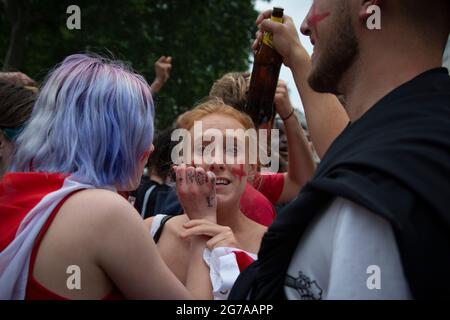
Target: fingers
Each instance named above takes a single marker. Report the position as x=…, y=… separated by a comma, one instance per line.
x=281, y=90
x=200, y=176
x=168, y=66
x=163, y=66
x=180, y=173
x=263, y=15
x=211, y=182
x=164, y=59
x=210, y=230
x=190, y=176
x=196, y=222
x=266, y=25
x=195, y=177
x=281, y=87
x=221, y=236
x=224, y=239
x=270, y=26
x=196, y=191
x=258, y=39
x=211, y=177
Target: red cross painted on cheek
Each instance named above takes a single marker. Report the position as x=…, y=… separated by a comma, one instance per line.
x=240, y=173
x=315, y=18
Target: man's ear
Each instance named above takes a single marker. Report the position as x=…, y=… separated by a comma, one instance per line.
x=366, y=8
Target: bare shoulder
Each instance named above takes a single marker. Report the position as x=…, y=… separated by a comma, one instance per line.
x=173, y=249
x=102, y=202
x=174, y=224
x=89, y=224
x=96, y=211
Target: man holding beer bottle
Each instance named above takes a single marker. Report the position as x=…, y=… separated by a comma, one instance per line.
x=374, y=221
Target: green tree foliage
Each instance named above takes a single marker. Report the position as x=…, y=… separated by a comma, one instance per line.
x=205, y=39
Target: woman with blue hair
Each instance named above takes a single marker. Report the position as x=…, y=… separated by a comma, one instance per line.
x=65, y=233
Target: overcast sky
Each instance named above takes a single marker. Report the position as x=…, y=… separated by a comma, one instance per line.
x=298, y=10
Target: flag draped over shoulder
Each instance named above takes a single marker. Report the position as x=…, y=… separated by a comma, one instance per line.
x=26, y=202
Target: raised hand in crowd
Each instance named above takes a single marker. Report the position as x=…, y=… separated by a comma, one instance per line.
x=299, y=150
x=196, y=190
x=163, y=67
x=282, y=102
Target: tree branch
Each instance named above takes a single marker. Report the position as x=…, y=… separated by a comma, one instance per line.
x=18, y=13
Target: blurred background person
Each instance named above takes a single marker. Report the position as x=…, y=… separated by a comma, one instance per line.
x=157, y=179
x=18, y=78
x=16, y=105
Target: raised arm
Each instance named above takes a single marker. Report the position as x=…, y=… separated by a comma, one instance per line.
x=196, y=190
x=325, y=115
x=301, y=165
x=163, y=67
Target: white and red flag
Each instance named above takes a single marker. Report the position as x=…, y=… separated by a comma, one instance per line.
x=26, y=202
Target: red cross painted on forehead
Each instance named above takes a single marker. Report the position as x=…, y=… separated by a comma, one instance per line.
x=315, y=18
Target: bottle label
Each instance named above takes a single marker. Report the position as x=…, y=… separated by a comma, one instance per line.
x=268, y=36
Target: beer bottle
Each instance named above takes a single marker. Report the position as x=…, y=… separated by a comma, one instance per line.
x=264, y=79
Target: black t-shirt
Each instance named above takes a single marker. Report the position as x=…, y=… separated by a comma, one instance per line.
x=147, y=194
x=394, y=161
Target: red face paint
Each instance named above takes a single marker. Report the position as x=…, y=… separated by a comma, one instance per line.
x=315, y=18
x=240, y=173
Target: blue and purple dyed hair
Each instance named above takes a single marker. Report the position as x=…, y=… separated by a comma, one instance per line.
x=93, y=118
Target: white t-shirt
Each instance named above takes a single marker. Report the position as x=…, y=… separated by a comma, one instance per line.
x=350, y=253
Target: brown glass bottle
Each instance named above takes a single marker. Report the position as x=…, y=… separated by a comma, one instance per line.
x=264, y=80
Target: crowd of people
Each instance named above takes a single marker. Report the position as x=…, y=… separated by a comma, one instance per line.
x=362, y=182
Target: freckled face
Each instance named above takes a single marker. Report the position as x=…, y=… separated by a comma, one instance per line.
x=231, y=177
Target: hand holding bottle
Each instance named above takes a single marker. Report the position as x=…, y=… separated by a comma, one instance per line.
x=285, y=37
